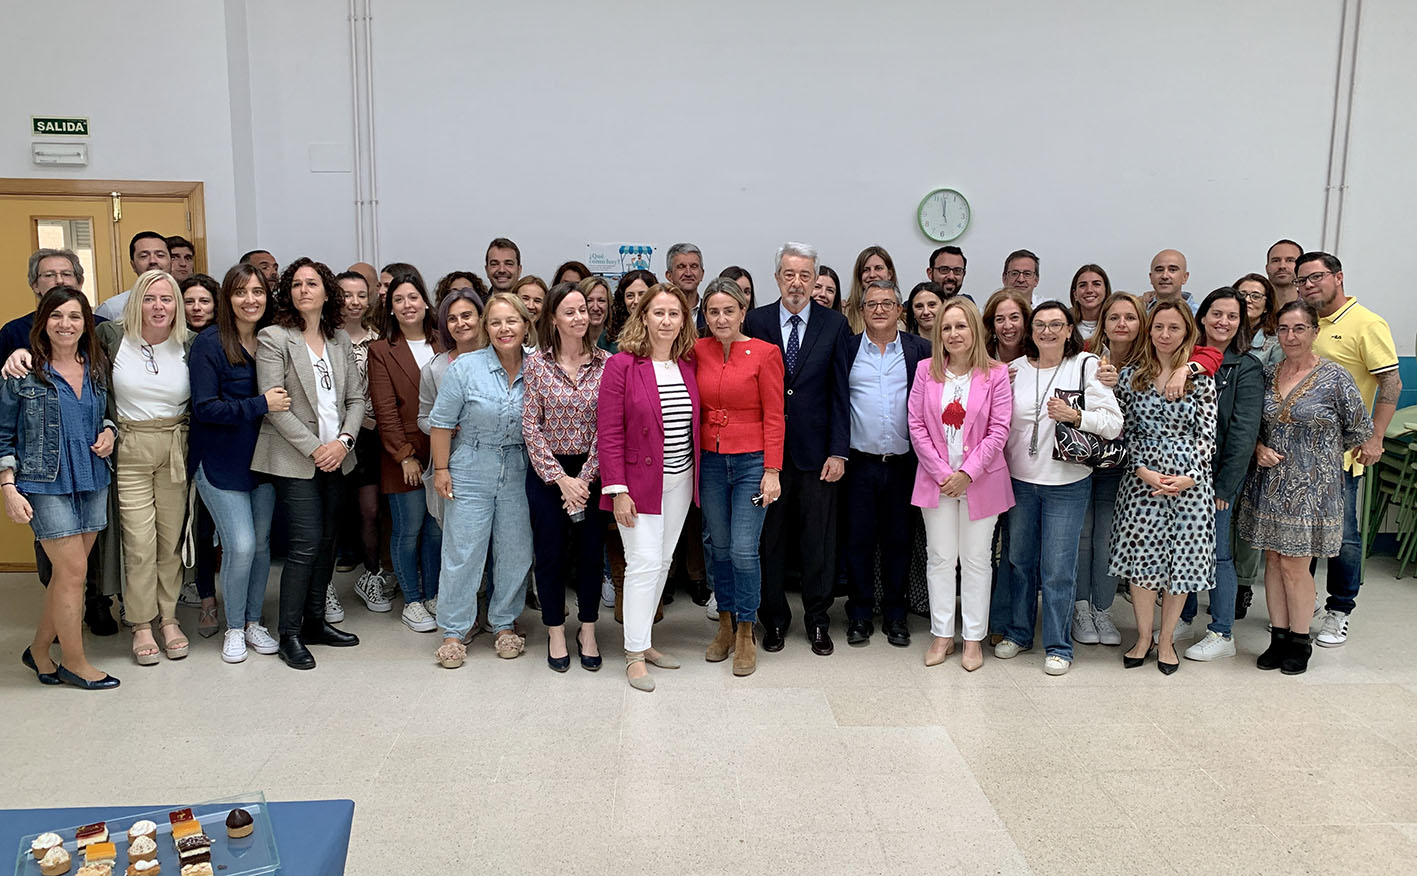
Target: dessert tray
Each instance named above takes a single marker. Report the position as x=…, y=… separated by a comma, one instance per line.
x=227, y=837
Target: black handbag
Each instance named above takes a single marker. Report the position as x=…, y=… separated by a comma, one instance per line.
x=1072, y=444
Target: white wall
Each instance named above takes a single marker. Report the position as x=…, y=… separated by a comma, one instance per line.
x=1087, y=131
x=157, y=108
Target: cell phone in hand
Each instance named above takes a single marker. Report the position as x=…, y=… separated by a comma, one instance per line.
x=757, y=499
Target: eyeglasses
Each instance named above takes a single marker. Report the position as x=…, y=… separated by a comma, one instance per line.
x=953, y=272
x=1018, y=275
x=1292, y=329
x=326, y=382
x=149, y=361
x=51, y=276
x=879, y=305
x=1253, y=296
x=805, y=276
x=1055, y=326
x=1311, y=278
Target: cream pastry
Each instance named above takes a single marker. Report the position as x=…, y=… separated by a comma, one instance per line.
x=103, y=869
x=202, y=869
x=142, y=828
x=54, y=862
x=144, y=868
x=44, y=842
x=91, y=833
x=144, y=848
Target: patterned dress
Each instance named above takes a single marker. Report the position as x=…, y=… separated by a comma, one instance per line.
x=1160, y=542
x=1296, y=507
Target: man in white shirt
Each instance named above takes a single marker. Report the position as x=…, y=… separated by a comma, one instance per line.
x=147, y=251
x=1021, y=272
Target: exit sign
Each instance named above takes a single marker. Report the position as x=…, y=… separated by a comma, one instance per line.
x=63, y=127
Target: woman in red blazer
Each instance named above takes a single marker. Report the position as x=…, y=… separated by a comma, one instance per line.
x=648, y=428
x=741, y=429
x=959, y=412
x=395, y=360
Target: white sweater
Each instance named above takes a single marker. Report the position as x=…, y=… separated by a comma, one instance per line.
x=1102, y=416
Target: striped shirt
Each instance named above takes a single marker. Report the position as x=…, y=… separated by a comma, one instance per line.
x=678, y=411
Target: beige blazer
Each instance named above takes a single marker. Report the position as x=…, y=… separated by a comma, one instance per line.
x=288, y=438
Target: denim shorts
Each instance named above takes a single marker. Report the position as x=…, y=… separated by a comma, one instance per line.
x=68, y=514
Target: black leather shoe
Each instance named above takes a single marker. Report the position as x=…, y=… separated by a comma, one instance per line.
x=44, y=677
x=560, y=664
x=590, y=664
x=858, y=632
x=821, y=642
x=897, y=633
x=98, y=616
x=294, y=654
x=774, y=637
x=108, y=682
x=325, y=633
x=699, y=592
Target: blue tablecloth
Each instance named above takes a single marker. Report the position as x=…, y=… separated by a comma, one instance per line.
x=312, y=835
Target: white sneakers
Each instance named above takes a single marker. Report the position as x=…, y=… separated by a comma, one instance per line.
x=370, y=588
x=1053, y=664
x=1007, y=648
x=189, y=596
x=416, y=618
x=261, y=640
x=334, y=610
x=1334, y=630
x=713, y=606
x=1211, y=646
x=430, y=605
x=1084, y=627
x=1107, y=632
x=233, y=647
x=1182, y=631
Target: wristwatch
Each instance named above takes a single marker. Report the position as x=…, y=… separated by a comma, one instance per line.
x=347, y=440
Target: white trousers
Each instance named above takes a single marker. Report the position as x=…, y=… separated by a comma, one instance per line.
x=649, y=550
x=951, y=536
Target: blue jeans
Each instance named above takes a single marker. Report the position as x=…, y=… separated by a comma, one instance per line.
x=1095, y=546
x=243, y=524
x=1044, y=526
x=488, y=509
x=1001, y=606
x=415, y=545
x=1227, y=583
x=733, y=527
x=1345, y=571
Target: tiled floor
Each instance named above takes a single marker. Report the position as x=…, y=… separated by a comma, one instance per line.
x=863, y=762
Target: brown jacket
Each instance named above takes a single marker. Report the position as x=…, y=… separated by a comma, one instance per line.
x=393, y=390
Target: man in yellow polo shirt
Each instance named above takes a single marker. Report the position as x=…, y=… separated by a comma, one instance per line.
x=1359, y=340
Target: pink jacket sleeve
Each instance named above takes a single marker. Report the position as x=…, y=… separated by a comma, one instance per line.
x=926, y=453
x=610, y=422
x=1001, y=412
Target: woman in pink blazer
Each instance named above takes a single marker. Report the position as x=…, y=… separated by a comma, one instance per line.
x=959, y=413
x=647, y=420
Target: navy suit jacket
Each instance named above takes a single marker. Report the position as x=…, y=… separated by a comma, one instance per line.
x=816, y=398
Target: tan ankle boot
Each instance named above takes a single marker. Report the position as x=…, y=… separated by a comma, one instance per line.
x=722, y=644
x=745, y=646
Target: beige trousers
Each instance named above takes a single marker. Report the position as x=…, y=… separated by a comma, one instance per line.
x=152, y=503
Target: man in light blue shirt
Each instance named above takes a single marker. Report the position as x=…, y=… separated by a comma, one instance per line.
x=881, y=474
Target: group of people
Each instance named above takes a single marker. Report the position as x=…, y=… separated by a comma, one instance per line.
x=589, y=435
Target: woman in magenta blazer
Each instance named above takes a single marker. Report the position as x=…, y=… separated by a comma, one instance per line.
x=742, y=428
x=647, y=422
x=959, y=413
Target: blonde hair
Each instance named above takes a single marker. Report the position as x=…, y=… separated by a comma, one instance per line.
x=1099, y=342
x=979, y=359
x=484, y=337
x=132, y=317
x=1149, y=364
x=634, y=337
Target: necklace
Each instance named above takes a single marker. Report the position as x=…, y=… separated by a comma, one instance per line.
x=1038, y=399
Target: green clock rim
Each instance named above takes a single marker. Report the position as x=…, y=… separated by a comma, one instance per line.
x=930, y=194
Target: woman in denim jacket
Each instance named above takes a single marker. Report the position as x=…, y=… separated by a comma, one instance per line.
x=54, y=445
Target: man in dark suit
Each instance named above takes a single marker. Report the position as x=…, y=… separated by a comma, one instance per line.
x=814, y=342
x=880, y=371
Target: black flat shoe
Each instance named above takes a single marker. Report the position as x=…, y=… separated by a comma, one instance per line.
x=325, y=633
x=1244, y=597
x=294, y=654
x=1167, y=668
x=821, y=642
x=590, y=664
x=699, y=592
x=560, y=664
x=858, y=632
x=1136, y=662
x=108, y=682
x=774, y=638
x=44, y=677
